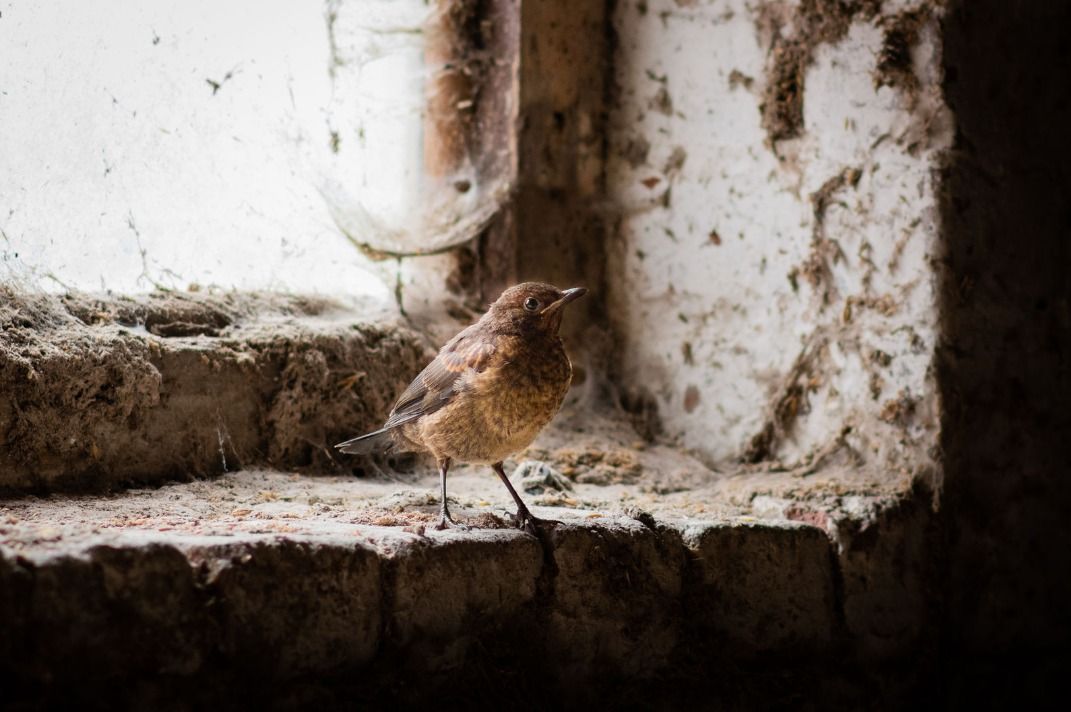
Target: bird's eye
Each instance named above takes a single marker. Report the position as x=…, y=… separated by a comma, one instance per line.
x=531, y=303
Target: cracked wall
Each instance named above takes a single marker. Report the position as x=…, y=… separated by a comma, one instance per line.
x=773, y=167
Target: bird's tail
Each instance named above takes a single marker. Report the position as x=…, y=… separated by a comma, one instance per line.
x=376, y=441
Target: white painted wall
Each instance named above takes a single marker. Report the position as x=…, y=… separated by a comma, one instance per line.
x=711, y=326
x=239, y=144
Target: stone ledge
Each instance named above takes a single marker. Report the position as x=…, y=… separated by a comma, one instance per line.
x=602, y=599
x=182, y=583
x=788, y=568
x=98, y=393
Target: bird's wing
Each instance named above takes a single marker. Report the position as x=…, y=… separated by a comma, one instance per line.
x=435, y=386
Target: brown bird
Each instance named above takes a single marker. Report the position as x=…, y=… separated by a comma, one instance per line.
x=488, y=392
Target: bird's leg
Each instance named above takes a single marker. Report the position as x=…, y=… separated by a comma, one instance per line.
x=524, y=518
x=445, y=520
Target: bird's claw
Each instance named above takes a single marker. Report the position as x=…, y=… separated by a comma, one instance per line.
x=446, y=522
x=530, y=523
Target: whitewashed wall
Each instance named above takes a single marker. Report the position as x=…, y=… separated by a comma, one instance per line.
x=718, y=232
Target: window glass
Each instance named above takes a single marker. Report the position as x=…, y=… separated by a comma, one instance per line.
x=247, y=144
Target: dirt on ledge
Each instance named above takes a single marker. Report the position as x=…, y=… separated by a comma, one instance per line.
x=100, y=392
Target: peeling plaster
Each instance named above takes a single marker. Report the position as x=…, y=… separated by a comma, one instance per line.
x=789, y=258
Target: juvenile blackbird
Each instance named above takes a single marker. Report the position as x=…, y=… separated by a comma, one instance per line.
x=488, y=392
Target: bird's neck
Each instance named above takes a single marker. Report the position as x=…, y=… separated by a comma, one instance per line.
x=506, y=325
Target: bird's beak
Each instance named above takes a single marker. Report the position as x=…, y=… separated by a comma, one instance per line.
x=567, y=296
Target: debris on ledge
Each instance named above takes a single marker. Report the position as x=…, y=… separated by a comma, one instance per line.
x=97, y=392
x=318, y=576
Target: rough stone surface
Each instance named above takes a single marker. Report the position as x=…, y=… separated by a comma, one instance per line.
x=889, y=553
x=538, y=477
x=448, y=589
x=100, y=392
x=291, y=607
x=104, y=613
x=764, y=588
x=343, y=579
x=614, y=599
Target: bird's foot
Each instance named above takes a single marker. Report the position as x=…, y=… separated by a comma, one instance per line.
x=530, y=523
x=447, y=522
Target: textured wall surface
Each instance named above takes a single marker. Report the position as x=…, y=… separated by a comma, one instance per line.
x=772, y=166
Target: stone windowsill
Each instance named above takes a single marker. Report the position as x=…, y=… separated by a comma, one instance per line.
x=279, y=569
x=294, y=575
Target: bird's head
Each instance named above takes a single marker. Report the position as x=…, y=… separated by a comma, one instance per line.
x=534, y=306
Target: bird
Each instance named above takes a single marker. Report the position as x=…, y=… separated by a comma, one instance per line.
x=487, y=393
